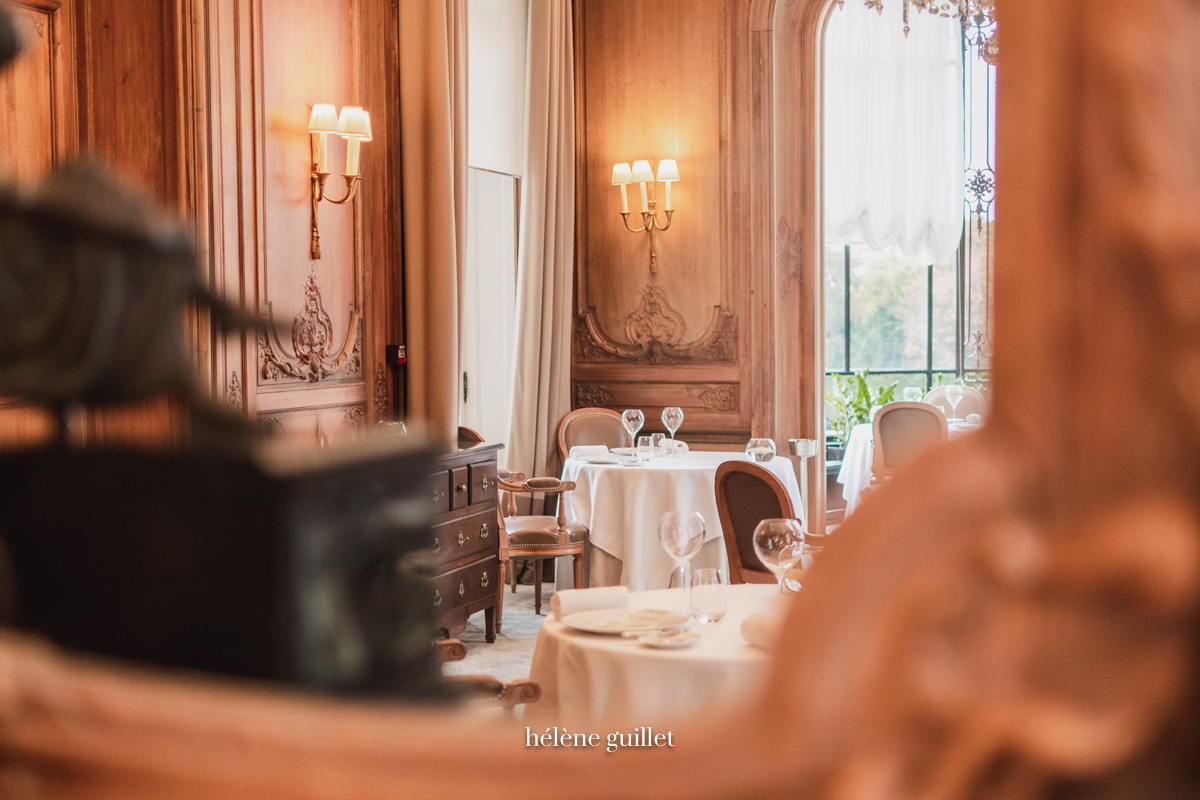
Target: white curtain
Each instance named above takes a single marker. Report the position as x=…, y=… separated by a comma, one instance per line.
x=894, y=131
x=542, y=381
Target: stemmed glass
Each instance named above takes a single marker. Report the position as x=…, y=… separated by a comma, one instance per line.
x=633, y=419
x=681, y=534
x=954, y=396
x=672, y=419
x=779, y=544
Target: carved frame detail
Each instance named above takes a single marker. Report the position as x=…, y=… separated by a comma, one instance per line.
x=655, y=331
x=312, y=357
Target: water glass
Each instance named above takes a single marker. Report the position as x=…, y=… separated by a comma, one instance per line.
x=794, y=577
x=658, y=444
x=706, y=600
x=761, y=449
x=645, y=452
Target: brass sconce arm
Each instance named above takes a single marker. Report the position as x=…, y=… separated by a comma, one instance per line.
x=353, y=125
x=624, y=174
x=650, y=223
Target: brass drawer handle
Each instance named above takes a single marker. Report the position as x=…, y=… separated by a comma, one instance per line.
x=462, y=539
x=483, y=531
x=438, y=494
x=461, y=589
x=437, y=545
x=437, y=598
x=461, y=488
x=485, y=484
x=484, y=582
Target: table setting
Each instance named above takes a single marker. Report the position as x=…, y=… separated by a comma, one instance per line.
x=621, y=495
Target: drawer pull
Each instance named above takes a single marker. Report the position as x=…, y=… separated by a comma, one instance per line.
x=437, y=598
x=438, y=494
x=437, y=546
x=462, y=539
x=484, y=581
x=483, y=531
x=461, y=488
x=461, y=589
x=485, y=484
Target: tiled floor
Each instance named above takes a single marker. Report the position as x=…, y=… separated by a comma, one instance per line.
x=509, y=657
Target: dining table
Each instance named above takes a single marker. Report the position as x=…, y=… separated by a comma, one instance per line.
x=587, y=678
x=856, y=475
x=621, y=506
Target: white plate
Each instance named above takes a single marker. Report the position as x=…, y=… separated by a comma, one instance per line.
x=674, y=641
x=619, y=620
x=623, y=451
x=600, y=459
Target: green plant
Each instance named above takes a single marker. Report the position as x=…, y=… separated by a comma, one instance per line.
x=851, y=399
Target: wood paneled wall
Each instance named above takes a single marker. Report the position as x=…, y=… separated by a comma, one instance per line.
x=651, y=83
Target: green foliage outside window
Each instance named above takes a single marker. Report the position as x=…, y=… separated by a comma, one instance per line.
x=851, y=398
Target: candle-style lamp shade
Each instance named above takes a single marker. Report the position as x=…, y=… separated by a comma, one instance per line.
x=642, y=172
x=321, y=122
x=668, y=171
x=355, y=127
x=623, y=174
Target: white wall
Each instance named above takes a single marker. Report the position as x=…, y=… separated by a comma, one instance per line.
x=496, y=42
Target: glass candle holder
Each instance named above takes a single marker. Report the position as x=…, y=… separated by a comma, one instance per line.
x=761, y=449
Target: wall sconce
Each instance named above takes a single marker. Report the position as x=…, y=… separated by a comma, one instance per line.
x=354, y=125
x=640, y=172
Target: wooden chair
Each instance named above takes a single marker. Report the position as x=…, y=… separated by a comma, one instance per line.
x=468, y=437
x=540, y=537
x=746, y=495
x=591, y=426
x=973, y=402
x=902, y=432
x=484, y=691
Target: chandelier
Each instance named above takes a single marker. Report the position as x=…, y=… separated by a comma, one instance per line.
x=979, y=13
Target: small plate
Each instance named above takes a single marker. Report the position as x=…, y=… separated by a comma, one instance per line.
x=623, y=451
x=670, y=640
x=619, y=620
x=630, y=461
x=600, y=459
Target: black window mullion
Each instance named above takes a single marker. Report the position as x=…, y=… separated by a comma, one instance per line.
x=847, y=307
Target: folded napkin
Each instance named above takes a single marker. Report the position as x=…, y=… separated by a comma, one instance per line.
x=571, y=601
x=761, y=630
x=680, y=446
x=587, y=451
x=974, y=419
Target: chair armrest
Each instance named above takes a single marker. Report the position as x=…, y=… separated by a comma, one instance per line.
x=539, y=486
x=449, y=650
x=489, y=692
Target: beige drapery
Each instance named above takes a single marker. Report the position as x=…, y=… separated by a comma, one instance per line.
x=541, y=386
x=433, y=147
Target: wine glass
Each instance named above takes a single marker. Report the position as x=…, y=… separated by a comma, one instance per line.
x=672, y=419
x=779, y=544
x=633, y=419
x=681, y=534
x=954, y=396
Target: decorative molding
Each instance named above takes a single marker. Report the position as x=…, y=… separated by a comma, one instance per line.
x=789, y=249
x=655, y=331
x=591, y=395
x=355, y=417
x=382, y=408
x=312, y=355
x=234, y=396
x=272, y=426
x=654, y=320
x=722, y=397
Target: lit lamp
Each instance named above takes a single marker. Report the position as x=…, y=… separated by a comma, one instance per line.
x=640, y=172
x=354, y=125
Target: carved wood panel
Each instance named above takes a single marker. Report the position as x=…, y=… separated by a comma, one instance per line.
x=650, y=92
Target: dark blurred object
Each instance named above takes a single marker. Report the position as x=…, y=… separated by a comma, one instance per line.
x=95, y=284
x=11, y=44
x=303, y=565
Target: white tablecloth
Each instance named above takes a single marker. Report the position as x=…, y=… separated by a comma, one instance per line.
x=855, y=474
x=622, y=506
x=587, y=677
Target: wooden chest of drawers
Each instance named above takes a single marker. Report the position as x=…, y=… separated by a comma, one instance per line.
x=466, y=538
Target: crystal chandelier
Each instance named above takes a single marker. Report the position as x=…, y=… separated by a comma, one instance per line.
x=980, y=13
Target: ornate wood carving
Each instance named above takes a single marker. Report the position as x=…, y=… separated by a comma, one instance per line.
x=789, y=255
x=591, y=395
x=312, y=356
x=382, y=409
x=355, y=417
x=272, y=426
x=234, y=396
x=655, y=333
x=723, y=397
